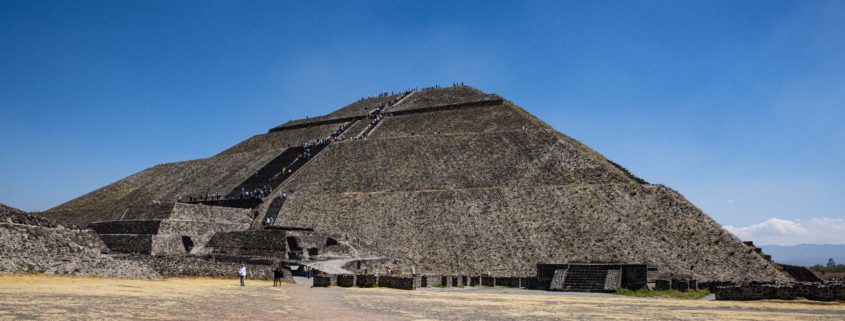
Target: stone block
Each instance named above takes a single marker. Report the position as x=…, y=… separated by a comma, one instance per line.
x=366, y=280
x=325, y=281
x=346, y=280
x=398, y=282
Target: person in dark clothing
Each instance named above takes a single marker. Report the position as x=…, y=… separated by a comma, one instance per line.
x=277, y=277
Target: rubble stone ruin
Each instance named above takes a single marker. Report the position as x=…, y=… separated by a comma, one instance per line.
x=447, y=181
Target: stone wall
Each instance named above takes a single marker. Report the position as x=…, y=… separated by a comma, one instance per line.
x=37, y=249
x=810, y=291
x=399, y=282
x=510, y=282
x=325, y=281
x=428, y=281
x=345, y=280
x=366, y=280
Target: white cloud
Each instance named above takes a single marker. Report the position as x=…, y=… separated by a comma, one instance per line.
x=776, y=231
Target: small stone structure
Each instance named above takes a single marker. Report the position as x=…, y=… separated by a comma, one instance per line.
x=589, y=277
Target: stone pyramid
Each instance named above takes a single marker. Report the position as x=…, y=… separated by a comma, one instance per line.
x=448, y=180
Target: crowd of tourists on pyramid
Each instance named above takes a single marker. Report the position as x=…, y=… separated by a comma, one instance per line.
x=200, y=198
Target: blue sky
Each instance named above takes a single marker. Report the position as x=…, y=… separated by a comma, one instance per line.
x=739, y=105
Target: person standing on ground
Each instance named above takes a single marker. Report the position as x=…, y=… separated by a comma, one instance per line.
x=242, y=274
x=277, y=277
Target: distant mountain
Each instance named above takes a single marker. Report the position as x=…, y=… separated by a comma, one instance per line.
x=806, y=254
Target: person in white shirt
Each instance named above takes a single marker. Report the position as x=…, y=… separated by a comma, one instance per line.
x=242, y=274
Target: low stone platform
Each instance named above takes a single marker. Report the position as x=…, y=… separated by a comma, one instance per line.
x=591, y=277
x=809, y=291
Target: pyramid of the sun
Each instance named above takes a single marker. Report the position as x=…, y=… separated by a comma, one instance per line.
x=453, y=180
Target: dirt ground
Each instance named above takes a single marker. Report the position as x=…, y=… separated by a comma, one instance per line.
x=56, y=297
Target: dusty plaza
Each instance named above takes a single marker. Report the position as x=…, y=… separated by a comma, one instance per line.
x=42, y=297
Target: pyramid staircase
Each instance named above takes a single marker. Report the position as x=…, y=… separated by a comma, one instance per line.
x=273, y=211
x=264, y=175
x=585, y=278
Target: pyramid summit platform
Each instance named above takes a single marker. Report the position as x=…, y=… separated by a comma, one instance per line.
x=449, y=181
